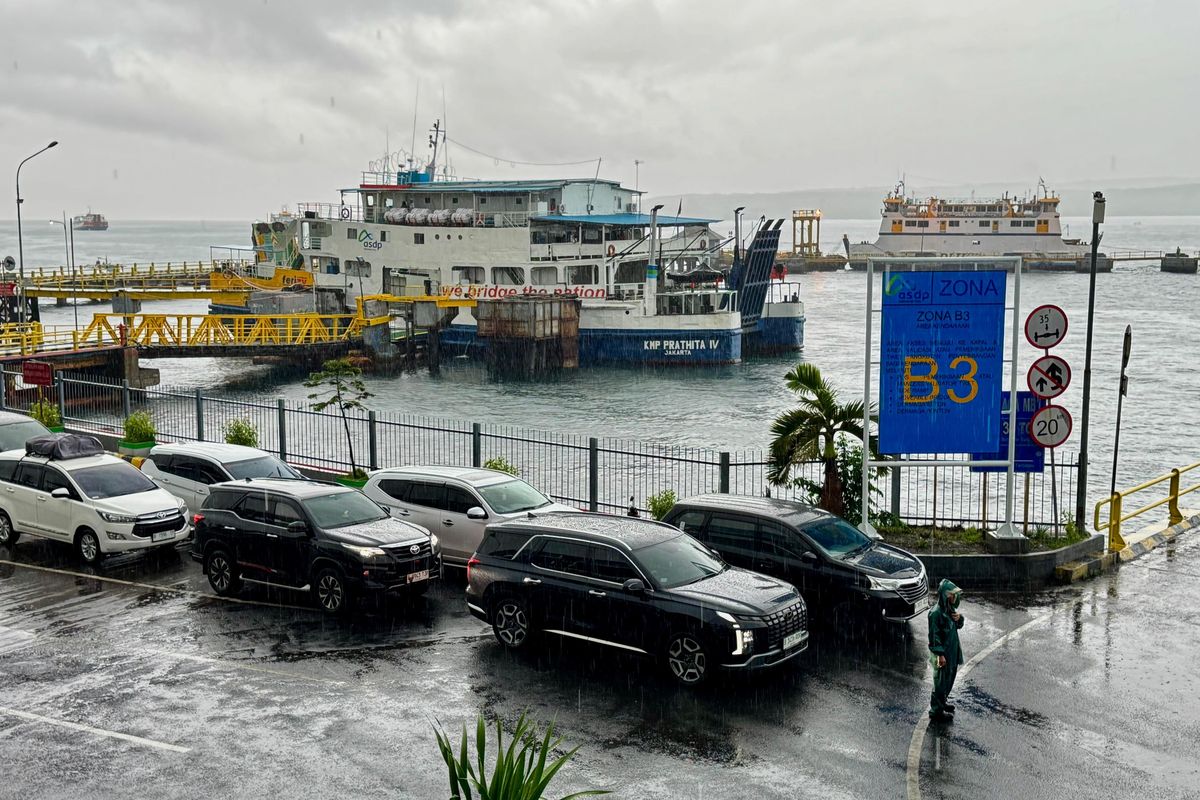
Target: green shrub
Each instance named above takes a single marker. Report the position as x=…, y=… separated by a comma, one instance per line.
x=241, y=431
x=139, y=427
x=659, y=504
x=501, y=463
x=46, y=413
x=521, y=772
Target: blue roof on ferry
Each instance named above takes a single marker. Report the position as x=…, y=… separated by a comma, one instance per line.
x=622, y=219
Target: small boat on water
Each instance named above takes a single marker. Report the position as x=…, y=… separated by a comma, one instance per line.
x=90, y=222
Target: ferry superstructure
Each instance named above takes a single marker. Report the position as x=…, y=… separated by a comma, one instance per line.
x=404, y=233
x=1003, y=226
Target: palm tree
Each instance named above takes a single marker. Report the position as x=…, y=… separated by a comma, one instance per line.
x=808, y=433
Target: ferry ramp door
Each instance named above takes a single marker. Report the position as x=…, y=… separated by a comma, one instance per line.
x=751, y=279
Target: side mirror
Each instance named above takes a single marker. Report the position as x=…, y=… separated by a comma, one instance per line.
x=61, y=492
x=475, y=512
x=809, y=556
x=634, y=586
x=297, y=527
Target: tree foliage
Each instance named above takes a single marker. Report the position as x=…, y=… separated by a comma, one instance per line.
x=341, y=386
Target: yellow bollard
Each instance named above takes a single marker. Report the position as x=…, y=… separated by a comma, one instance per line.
x=1173, y=503
x=1115, y=542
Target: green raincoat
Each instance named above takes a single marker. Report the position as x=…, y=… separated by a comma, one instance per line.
x=943, y=641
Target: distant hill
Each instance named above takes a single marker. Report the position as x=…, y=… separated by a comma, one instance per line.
x=1181, y=199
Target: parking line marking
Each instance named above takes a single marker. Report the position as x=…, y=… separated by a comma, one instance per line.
x=224, y=662
x=917, y=742
x=152, y=586
x=75, y=726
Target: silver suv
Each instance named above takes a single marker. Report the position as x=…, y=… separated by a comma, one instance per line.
x=456, y=503
x=187, y=470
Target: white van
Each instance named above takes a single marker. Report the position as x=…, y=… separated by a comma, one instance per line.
x=187, y=469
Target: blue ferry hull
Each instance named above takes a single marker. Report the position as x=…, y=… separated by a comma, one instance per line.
x=625, y=347
x=775, y=335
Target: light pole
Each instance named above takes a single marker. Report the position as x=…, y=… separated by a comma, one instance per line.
x=20, y=246
x=70, y=253
x=637, y=162
x=1081, y=482
x=737, y=233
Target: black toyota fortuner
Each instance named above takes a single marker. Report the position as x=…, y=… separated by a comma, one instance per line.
x=635, y=586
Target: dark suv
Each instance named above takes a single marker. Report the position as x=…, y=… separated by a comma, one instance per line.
x=838, y=569
x=634, y=585
x=309, y=536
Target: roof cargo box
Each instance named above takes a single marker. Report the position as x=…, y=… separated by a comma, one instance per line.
x=63, y=445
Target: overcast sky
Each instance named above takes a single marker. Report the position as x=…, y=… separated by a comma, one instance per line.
x=225, y=109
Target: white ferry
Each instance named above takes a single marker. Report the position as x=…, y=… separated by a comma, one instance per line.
x=1005, y=226
x=406, y=232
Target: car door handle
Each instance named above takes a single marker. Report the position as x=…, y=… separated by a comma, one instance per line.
x=164, y=480
x=400, y=512
x=228, y=528
x=448, y=523
x=595, y=593
x=202, y=490
x=533, y=581
x=41, y=499
x=272, y=535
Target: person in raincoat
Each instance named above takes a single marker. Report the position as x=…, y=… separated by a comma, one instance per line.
x=945, y=652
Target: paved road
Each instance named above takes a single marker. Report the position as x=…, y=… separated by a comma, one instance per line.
x=118, y=690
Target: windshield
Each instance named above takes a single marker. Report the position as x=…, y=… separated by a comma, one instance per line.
x=513, y=496
x=837, y=537
x=266, y=466
x=111, y=480
x=340, y=509
x=678, y=561
x=14, y=436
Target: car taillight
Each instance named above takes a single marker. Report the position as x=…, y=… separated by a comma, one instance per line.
x=197, y=519
x=472, y=561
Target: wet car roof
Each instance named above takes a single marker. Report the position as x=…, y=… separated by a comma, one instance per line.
x=296, y=488
x=792, y=511
x=632, y=532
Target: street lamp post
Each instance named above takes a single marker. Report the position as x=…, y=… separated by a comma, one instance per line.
x=20, y=245
x=1081, y=483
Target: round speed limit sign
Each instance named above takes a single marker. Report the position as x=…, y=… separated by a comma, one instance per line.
x=1050, y=426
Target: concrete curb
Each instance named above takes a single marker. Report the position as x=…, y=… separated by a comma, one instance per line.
x=1144, y=541
x=1007, y=571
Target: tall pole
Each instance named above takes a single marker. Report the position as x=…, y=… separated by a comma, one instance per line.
x=1120, y=400
x=74, y=278
x=20, y=244
x=1081, y=483
x=637, y=184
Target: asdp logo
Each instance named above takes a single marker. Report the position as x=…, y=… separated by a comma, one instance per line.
x=368, y=241
x=904, y=290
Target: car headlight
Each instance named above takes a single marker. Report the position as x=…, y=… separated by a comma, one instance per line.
x=434, y=543
x=885, y=584
x=725, y=615
x=364, y=552
x=122, y=519
x=744, y=639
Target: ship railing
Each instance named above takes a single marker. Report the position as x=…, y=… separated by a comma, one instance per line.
x=341, y=211
x=695, y=301
x=784, y=291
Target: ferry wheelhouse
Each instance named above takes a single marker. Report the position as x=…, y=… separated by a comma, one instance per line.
x=404, y=233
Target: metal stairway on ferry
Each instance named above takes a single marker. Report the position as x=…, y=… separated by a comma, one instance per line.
x=750, y=276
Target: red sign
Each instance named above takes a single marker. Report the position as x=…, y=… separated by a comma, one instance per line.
x=8, y=289
x=37, y=373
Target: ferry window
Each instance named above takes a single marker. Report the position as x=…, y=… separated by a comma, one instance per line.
x=1028, y=223
x=1015, y=223
x=351, y=233
x=483, y=201
x=508, y=276
x=358, y=267
x=582, y=273
x=953, y=223
x=426, y=200
x=468, y=274
x=418, y=238
x=518, y=200
x=591, y=235
x=383, y=236
x=454, y=200
x=984, y=224
x=544, y=276
x=909, y=223
x=923, y=223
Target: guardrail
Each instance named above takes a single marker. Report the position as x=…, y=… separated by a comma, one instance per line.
x=116, y=272
x=1116, y=502
x=240, y=330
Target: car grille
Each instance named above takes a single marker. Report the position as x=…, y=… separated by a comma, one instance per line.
x=149, y=528
x=403, y=552
x=913, y=592
x=782, y=623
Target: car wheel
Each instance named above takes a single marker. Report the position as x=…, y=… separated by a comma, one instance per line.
x=7, y=534
x=687, y=659
x=222, y=573
x=87, y=544
x=331, y=592
x=511, y=623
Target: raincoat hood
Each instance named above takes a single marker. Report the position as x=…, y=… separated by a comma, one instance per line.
x=945, y=590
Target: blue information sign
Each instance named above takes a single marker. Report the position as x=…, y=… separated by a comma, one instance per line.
x=1030, y=457
x=941, y=362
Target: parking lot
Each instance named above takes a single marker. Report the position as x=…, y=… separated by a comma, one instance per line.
x=133, y=679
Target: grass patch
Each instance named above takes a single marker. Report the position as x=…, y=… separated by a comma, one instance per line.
x=967, y=540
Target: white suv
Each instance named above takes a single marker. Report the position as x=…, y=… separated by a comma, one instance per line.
x=98, y=503
x=186, y=470
x=456, y=503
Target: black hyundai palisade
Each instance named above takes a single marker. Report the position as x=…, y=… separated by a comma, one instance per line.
x=636, y=586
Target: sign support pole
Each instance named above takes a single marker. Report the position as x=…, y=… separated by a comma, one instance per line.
x=1008, y=530
x=865, y=525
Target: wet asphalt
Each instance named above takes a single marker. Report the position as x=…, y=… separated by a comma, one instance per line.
x=132, y=680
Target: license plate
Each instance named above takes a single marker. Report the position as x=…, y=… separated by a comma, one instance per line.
x=162, y=536
x=423, y=575
x=793, y=639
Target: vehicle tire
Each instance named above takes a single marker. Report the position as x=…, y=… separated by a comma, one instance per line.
x=511, y=623
x=331, y=591
x=8, y=536
x=222, y=573
x=87, y=545
x=687, y=659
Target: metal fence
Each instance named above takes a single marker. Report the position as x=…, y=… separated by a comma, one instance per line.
x=603, y=474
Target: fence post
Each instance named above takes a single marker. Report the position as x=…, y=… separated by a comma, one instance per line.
x=3, y=389
x=62, y=397
x=724, y=473
x=372, y=441
x=593, y=474
x=199, y=416
x=126, y=404
x=895, y=498
x=476, y=445
x=281, y=410
x=1176, y=516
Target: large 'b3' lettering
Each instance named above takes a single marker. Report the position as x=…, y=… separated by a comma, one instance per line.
x=929, y=378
